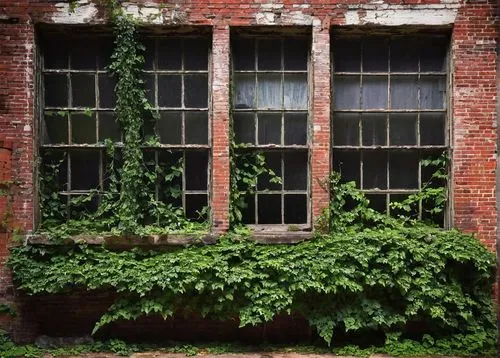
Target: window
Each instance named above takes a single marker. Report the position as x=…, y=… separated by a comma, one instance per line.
x=77, y=115
x=389, y=113
x=270, y=115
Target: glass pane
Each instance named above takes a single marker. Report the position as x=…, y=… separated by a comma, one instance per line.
x=194, y=206
x=375, y=54
x=55, y=128
x=149, y=54
x=374, y=170
x=269, y=208
x=149, y=87
x=273, y=162
x=243, y=51
x=196, y=170
x=432, y=90
x=196, y=127
x=249, y=212
x=56, y=160
x=244, y=127
x=403, y=170
x=404, y=92
x=169, y=54
x=377, y=202
x=295, y=128
x=169, y=91
x=107, y=97
x=347, y=55
x=348, y=165
x=433, y=54
x=346, y=92
x=269, y=89
x=295, y=170
x=345, y=129
x=55, y=53
x=196, y=91
x=269, y=128
x=269, y=54
x=244, y=91
x=432, y=127
x=295, y=92
x=403, y=129
x=296, y=53
x=83, y=54
x=295, y=209
x=83, y=128
x=374, y=92
x=397, y=198
x=84, y=169
x=56, y=90
x=195, y=54
x=170, y=187
x=374, y=129
x=104, y=50
x=404, y=54
x=109, y=127
x=83, y=90
x=169, y=127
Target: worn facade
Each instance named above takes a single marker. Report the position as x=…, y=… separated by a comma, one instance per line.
x=366, y=88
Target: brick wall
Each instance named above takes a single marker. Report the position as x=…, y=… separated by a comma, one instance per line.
x=473, y=93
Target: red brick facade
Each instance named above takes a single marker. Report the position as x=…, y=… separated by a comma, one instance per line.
x=473, y=93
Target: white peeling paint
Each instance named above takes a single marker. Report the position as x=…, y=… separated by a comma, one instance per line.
x=297, y=18
x=264, y=18
x=27, y=128
x=83, y=12
x=271, y=6
x=149, y=13
x=396, y=17
x=317, y=128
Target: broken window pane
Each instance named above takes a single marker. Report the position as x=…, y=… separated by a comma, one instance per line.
x=83, y=128
x=346, y=129
x=403, y=129
x=55, y=128
x=295, y=92
x=195, y=54
x=404, y=54
x=244, y=91
x=269, y=207
x=55, y=53
x=295, y=128
x=373, y=126
x=346, y=92
x=84, y=169
x=107, y=97
x=295, y=170
x=170, y=189
x=403, y=173
x=397, y=198
x=169, y=54
x=105, y=49
x=244, y=127
x=404, y=92
x=347, y=55
x=149, y=54
x=109, y=128
x=269, y=91
x=196, y=126
x=374, y=92
x=269, y=57
x=432, y=129
x=348, y=165
x=375, y=54
x=55, y=162
x=194, y=206
x=248, y=213
x=269, y=128
x=83, y=90
x=432, y=92
x=169, y=127
x=295, y=209
x=375, y=170
x=243, y=52
x=378, y=202
x=196, y=170
x=83, y=54
x=56, y=90
x=273, y=162
x=196, y=91
x=433, y=54
x=296, y=53
x=149, y=88
x=169, y=91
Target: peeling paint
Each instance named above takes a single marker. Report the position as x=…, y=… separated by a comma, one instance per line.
x=84, y=12
x=264, y=18
x=396, y=17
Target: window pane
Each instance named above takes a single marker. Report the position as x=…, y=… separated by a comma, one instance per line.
x=377, y=202
x=433, y=54
x=196, y=170
x=55, y=53
x=404, y=92
x=56, y=90
x=269, y=128
x=269, y=89
x=375, y=54
x=346, y=92
x=403, y=129
x=295, y=170
x=295, y=92
x=196, y=127
x=346, y=129
x=432, y=91
x=269, y=208
x=432, y=127
x=149, y=54
x=83, y=90
x=348, y=165
x=248, y=213
x=109, y=127
x=374, y=129
x=295, y=209
x=347, y=55
x=58, y=160
x=196, y=91
x=83, y=54
x=273, y=162
x=170, y=189
x=295, y=128
x=55, y=128
x=244, y=91
x=84, y=169
x=243, y=54
x=244, y=127
x=169, y=127
x=105, y=49
x=404, y=54
x=269, y=56
x=374, y=93
x=107, y=97
x=195, y=54
x=83, y=128
x=296, y=53
x=169, y=91
x=397, y=198
x=374, y=170
x=403, y=170
x=169, y=54
x=194, y=206
x=149, y=87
